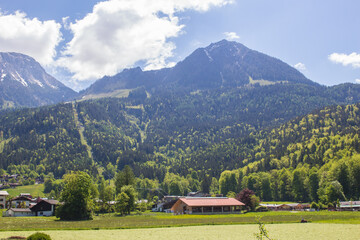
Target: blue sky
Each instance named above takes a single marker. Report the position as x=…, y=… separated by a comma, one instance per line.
x=80, y=41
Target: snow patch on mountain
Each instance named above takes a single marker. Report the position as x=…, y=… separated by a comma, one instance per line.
x=18, y=78
x=24, y=82
x=38, y=82
x=3, y=75
x=207, y=54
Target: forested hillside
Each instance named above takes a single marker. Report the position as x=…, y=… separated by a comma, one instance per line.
x=167, y=132
x=190, y=139
x=45, y=137
x=307, y=158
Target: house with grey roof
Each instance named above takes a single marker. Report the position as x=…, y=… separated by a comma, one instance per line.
x=3, y=196
x=349, y=206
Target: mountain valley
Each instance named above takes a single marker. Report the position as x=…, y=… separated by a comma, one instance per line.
x=226, y=113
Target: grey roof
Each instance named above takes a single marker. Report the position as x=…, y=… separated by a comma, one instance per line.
x=292, y=204
x=348, y=203
x=22, y=198
x=4, y=193
x=270, y=205
x=51, y=201
x=20, y=209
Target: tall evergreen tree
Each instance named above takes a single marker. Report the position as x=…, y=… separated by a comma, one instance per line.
x=313, y=186
x=124, y=177
x=343, y=177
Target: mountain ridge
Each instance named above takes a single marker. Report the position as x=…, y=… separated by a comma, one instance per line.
x=221, y=64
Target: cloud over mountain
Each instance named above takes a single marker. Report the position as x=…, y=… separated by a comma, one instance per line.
x=32, y=37
x=231, y=36
x=300, y=66
x=119, y=33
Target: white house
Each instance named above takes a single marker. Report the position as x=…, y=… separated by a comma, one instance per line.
x=21, y=202
x=349, y=206
x=3, y=195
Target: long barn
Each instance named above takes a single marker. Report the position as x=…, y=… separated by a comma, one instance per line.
x=200, y=205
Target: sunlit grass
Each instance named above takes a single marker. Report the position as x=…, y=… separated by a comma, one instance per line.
x=297, y=231
x=153, y=220
x=36, y=190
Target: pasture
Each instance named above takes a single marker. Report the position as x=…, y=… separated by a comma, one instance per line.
x=36, y=190
x=295, y=231
x=161, y=220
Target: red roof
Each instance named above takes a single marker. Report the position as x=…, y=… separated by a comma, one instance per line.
x=210, y=202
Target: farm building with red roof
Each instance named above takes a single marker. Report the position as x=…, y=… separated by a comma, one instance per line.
x=199, y=205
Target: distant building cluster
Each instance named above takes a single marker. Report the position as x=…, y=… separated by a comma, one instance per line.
x=25, y=205
x=14, y=180
x=199, y=203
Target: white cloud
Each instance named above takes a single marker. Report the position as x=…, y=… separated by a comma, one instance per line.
x=32, y=37
x=357, y=80
x=65, y=22
x=300, y=66
x=352, y=59
x=231, y=36
x=119, y=33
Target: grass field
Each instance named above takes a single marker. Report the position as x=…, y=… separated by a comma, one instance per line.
x=111, y=221
x=34, y=190
x=297, y=231
x=122, y=93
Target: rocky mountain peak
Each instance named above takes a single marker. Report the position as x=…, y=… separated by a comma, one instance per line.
x=24, y=82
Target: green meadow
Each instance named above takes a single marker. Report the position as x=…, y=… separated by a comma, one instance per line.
x=36, y=190
x=160, y=220
x=295, y=231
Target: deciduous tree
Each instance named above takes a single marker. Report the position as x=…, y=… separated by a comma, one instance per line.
x=77, y=196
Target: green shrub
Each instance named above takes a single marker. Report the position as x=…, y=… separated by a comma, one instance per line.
x=143, y=206
x=39, y=236
x=314, y=205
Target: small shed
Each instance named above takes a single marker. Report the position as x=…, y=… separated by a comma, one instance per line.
x=206, y=205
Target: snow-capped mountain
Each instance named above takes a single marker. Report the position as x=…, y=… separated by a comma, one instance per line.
x=23, y=82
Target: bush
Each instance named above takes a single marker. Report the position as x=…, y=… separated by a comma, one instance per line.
x=143, y=206
x=322, y=206
x=39, y=236
x=261, y=209
x=314, y=205
x=330, y=206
